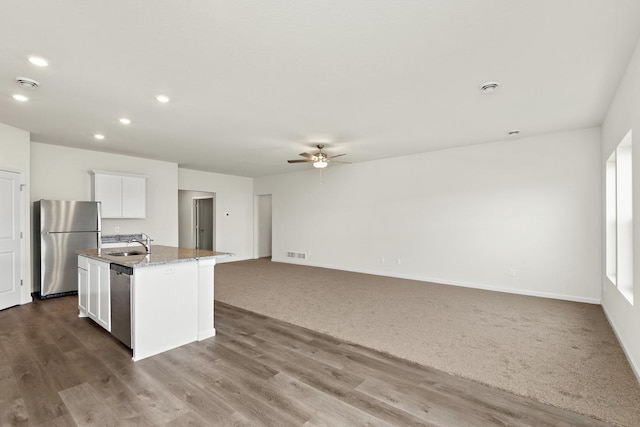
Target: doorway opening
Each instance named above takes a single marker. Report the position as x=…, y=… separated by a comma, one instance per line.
x=263, y=226
x=197, y=219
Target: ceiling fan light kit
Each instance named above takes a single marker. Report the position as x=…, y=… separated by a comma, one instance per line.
x=320, y=164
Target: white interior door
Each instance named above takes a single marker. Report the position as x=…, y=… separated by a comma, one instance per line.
x=9, y=239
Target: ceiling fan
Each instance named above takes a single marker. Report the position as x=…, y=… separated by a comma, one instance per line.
x=320, y=160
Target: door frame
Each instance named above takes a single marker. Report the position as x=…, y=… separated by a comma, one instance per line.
x=25, y=294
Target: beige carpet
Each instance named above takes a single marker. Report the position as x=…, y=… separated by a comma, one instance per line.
x=558, y=352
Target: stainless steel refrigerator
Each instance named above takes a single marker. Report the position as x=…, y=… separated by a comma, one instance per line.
x=61, y=227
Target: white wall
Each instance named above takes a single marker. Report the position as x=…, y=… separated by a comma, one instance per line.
x=234, y=209
x=62, y=173
x=462, y=216
x=624, y=114
x=14, y=155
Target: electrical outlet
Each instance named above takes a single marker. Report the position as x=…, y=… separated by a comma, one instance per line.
x=512, y=272
x=117, y=229
x=381, y=260
x=398, y=261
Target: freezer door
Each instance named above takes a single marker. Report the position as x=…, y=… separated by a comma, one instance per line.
x=59, y=261
x=64, y=215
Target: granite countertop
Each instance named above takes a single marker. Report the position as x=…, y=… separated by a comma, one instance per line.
x=159, y=255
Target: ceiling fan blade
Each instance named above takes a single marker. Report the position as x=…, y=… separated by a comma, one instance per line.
x=308, y=156
x=299, y=161
x=338, y=161
x=337, y=155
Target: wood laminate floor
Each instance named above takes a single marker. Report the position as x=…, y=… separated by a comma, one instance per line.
x=58, y=369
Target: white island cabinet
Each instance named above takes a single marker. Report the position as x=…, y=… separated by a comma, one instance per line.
x=172, y=291
x=94, y=297
x=172, y=305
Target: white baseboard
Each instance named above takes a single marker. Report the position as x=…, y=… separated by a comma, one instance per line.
x=453, y=283
x=203, y=335
x=225, y=259
x=634, y=366
x=26, y=299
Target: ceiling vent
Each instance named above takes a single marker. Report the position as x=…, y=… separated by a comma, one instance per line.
x=27, y=83
x=489, y=87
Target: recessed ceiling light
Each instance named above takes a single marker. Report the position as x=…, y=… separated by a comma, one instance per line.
x=125, y=121
x=514, y=132
x=162, y=98
x=489, y=87
x=40, y=62
x=20, y=98
x=98, y=136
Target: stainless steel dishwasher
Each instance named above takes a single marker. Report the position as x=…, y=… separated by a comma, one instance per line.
x=121, y=303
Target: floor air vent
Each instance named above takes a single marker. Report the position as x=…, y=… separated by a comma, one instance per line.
x=299, y=255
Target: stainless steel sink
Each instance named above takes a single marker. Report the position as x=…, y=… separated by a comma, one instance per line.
x=126, y=253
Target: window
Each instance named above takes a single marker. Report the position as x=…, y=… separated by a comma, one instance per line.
x=619, y=217
x=610, y=214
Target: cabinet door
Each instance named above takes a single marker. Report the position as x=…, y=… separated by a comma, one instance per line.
x=82, y=291
x=108, y=190
x=104, y=304
x=93, y=287
x=133, y=197
x=99, y=293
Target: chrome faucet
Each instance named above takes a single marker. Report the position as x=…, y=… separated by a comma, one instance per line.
x=146, y=243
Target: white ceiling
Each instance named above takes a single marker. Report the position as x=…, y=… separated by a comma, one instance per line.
x=253, y=82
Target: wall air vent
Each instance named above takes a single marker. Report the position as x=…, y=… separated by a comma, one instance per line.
x=27, y=83
x=299, y=255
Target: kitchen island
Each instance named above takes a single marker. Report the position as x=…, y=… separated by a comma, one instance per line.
x=168, y=294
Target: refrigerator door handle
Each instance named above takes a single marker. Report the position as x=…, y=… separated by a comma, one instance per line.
x=69, y=232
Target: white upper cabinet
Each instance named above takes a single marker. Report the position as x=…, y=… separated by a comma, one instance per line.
x=108, y=190
x=134, y=197
x=122, y=195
